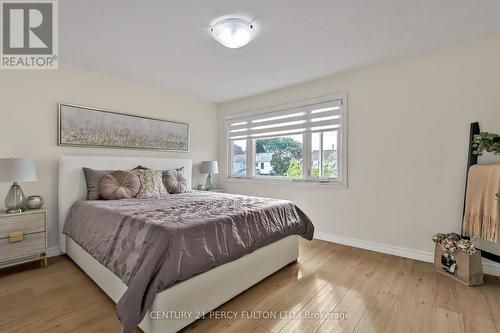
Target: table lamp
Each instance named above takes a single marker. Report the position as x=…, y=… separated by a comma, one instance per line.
x=210, y=167
x=16, y=170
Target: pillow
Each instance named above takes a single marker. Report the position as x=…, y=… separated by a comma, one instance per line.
x=140, y=167
x=151, y=183
x=180, y=170
x=119, y=185
x=174, y=181
x=93, y=177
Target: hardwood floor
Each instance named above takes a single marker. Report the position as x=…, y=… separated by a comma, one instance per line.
x=379, y=293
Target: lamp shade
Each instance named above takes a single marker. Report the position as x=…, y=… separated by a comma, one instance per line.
x=211, y=167
x=17, y=170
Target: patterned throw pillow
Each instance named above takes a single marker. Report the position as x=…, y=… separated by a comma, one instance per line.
x=141, y=167
x=174, y=181
x=151, y=183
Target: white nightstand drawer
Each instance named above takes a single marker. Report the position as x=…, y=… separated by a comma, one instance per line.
x=27, y=223
x=31, y=245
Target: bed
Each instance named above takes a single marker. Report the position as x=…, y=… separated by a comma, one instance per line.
x=191, y=297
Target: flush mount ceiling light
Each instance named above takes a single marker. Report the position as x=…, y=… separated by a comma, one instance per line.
x=233, y=32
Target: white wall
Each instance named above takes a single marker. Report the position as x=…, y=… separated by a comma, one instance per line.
x=28, y=121
x=408, y=135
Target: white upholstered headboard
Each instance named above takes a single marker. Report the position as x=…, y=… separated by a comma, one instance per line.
x=72, y=185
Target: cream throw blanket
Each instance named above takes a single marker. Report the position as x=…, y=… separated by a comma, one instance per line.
x=482, y=210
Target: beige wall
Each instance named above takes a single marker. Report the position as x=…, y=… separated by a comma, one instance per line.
x=408, y=123
x=28, y=121
x=408, y=132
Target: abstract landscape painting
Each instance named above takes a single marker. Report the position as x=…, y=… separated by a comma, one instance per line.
x=84, y=126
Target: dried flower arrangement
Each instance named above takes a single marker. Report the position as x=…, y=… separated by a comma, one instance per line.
x=485, y=141
x=452, y=242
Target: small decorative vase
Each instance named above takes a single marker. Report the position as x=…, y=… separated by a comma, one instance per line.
x=34, y=202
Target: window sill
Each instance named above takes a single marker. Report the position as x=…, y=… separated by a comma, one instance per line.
x=277, y=181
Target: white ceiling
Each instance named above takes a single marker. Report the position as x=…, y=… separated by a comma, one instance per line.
x=166, y=43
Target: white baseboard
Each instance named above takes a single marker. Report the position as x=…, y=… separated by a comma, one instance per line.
x=53, y=251
x=489, y=267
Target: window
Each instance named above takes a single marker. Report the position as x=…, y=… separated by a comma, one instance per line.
x=281, y=156
x=301, y=142
x=239, y=154
x=324, y=155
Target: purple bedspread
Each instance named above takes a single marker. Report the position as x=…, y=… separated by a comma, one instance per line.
x=151, y=244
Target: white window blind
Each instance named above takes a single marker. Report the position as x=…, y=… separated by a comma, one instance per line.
x=311, y=118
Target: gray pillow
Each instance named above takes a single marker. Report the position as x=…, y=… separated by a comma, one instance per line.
x=119, y=185
x=93, y=177
x=174, y=181
x=151, y=183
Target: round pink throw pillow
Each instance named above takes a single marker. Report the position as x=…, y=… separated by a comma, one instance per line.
x=119, y=185
x=174, y=181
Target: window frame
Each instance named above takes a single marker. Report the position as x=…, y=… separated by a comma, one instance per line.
x=306, y=180
x=309, y=177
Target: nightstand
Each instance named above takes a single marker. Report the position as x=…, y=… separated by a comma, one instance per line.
x=23, y=237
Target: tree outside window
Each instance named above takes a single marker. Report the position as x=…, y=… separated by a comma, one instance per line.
x=284, y=155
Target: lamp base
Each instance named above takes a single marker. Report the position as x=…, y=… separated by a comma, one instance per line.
x=209, y=183
x=14, y=211
x=14, y=202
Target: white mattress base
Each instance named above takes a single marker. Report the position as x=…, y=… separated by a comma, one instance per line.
x=201, y=293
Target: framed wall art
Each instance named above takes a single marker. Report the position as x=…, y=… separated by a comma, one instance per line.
x=90, y=127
